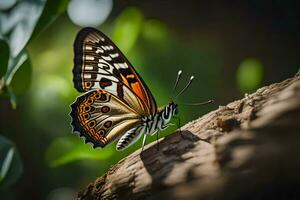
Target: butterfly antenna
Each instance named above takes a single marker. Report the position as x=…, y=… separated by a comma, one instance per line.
x=184, y=89
x=176, y=82
x=198, y=104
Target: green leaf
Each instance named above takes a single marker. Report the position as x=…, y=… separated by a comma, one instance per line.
x=12, y=97
x=127, y=28
x=249, y=75
x=51, y=11
x=11, y=166
x=6, y=4
x=4, y=57
x=20, y=83
x=13, y=65
x=22, y=78
x=68, y=149
x=17, y=24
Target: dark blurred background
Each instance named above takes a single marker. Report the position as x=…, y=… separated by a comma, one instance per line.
x=231, y=47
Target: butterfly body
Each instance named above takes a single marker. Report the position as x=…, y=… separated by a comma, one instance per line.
x=160, y=120
x=116, y=103
x=149, y=125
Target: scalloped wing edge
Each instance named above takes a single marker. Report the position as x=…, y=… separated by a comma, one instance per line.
x=77, y=129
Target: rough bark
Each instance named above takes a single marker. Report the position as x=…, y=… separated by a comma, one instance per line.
x=248, y=149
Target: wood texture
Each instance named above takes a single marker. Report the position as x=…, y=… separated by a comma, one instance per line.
x=248, y=149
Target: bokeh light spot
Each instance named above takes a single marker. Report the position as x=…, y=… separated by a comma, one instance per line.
x=89, y=12
x=249, y=75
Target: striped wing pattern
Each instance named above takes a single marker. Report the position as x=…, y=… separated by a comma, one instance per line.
x=100, y=64
x=115, y=98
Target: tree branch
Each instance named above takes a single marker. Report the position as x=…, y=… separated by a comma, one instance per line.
x=247, y=149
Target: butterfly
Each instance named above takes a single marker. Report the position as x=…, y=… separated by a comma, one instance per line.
x=116, y=104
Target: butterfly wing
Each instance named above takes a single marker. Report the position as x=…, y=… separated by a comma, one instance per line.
x=100, y=64
x=100, y=117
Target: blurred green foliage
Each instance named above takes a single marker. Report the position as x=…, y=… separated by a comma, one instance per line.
x=18, y=25
x=50, y=12
x=249, y=75
x=127, y=28
x=156, y=31
x=69, y=149
x=4, y=56
x=22, y=79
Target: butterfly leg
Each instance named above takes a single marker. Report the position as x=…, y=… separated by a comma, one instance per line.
x=179, y=125
x=144, y=141
x=157, y=137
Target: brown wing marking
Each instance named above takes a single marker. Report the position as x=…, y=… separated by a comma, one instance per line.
x=101, y=117
x=98, y=63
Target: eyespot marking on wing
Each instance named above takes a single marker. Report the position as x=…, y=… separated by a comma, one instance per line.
x=100, y=117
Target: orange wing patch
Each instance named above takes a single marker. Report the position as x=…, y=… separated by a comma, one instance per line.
x=138, y=90
x=84, y=115
x=99, y=64
x=130, y=79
